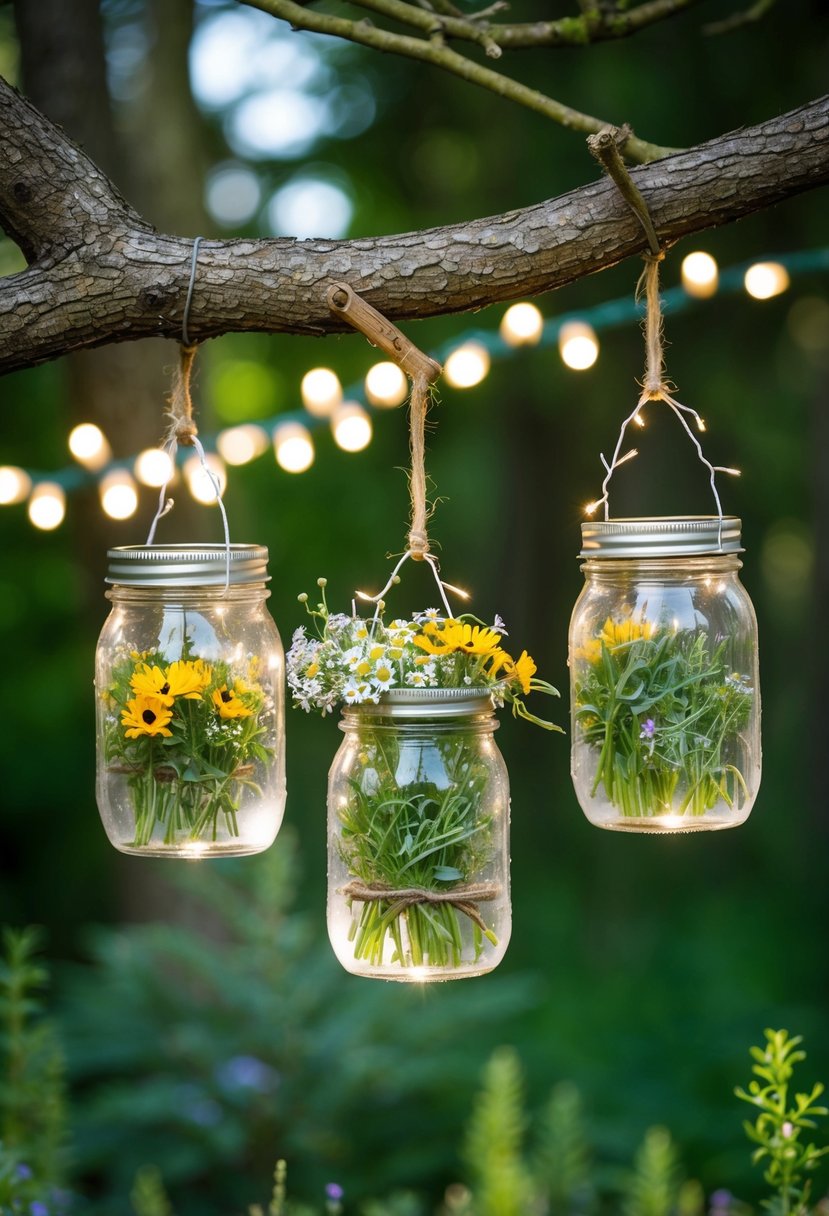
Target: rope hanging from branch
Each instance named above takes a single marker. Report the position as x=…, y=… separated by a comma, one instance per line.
x=605, y=146
x=422, y=372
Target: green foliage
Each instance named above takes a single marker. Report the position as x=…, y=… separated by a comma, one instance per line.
x=500, y=1181
x=148, y=1195
x=563, y=1166
x=653, y=1187
x=32, y=1116
x=782, y=1118
x=214, y=1050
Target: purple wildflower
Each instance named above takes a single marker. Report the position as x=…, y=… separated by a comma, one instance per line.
x=648, y=729
x=721, y=1201
x=334, y=1191
x=38, y=1209
x=23, y=1172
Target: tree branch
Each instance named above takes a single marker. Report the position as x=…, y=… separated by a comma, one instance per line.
x=433, y=51
x=99, y=274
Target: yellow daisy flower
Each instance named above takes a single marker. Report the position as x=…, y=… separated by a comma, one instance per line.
x=523, y=670
x=188, y=678
x=454, y=636
x=146, y=715
x=151, y=682
x=631, y=629
x=228, y=704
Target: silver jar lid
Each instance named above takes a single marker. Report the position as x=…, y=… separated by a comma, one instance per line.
x=671, y=536
x=426, y=703
x=186, y=565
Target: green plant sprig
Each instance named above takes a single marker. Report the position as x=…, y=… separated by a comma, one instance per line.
x=778, y=1127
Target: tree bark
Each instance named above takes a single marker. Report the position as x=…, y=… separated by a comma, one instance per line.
x=99, y=273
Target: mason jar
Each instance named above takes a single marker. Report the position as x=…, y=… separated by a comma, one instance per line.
x=665, y=699
x=189, y=682
x=418, y=837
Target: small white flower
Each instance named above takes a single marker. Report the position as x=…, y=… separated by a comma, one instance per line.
x=383, y=676
x=499, y=626
x=431, y=614
x=353, y=656
x=355, y=691
x=417, y=679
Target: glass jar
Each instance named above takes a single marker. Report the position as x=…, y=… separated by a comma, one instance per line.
x=418, y=838
x=189, y=682
x=665, y=698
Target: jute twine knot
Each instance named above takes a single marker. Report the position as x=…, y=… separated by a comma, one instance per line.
x=654, y=385
x=464, y=898
x=182, y=427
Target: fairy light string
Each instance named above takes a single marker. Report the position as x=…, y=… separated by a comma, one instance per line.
x=605, y=146
x=182, y=430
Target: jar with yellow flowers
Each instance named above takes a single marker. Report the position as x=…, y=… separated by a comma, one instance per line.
x=663, y=673
x=418, y=793
x=190, y=703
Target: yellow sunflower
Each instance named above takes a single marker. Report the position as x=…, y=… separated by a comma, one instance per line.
x=631, y=629
x=228, y=704
x=188, y=678
x=150, y=681
x=521, y=669
x=146, y=715
x=455, y=636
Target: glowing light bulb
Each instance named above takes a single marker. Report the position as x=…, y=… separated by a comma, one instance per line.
x=386, y=385
x=14, y=484
x=89, y=445
x=239, y=444
x=153, y=467
x=199, y=483
x=700, y=274
x=467, y=366
x=766, y=279
x=522, y=325
x=321, y=391
x=119, y=497
x=351, y=426
x=578, y=345
x=293, y=447
x=47, y=506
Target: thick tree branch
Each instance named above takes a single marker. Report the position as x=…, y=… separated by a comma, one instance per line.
x=433, y=51
x=99, y=274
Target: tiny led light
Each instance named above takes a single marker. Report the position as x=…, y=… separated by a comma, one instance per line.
x=351, y=426
x=88, y=444
x=14, y=484
x=578, y=345
x=47, y=505
x=199, y=483
x=522, y=324
x=386, y=385
x=239, y=444
x=766, y=279
x=700, y=274
x=321, y=391
x=467, y=366
x=293, y=447
x=153, y=467
x=119, y=497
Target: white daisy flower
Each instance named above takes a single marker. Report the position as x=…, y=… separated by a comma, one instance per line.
x=499, y=626
x=355, y=691
x=383, y=676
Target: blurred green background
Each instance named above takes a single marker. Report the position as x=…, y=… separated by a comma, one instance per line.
x=640, y=968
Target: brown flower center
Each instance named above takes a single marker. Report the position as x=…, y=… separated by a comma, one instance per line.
x=226, y=696
x=149, y=717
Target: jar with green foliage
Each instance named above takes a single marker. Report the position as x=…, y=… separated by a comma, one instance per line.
x=189, y=685
x=663, y=675
x=418, y=829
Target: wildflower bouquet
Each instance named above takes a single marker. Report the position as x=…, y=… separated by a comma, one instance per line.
x=186, y=736
x=419, y=808
x=661, y=712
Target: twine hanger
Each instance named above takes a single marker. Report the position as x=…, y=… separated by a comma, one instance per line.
x=605, y=146
x=182, y=430
x=422, y=371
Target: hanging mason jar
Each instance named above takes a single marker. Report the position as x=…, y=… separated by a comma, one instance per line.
x=418, y=837
x=190, y=703
x=663, y=677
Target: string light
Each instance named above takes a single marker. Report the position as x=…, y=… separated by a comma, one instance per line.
x=119, y=497
x=467, y=365
x=321, y=391
x=153, y=467
x=241, y=444
x=89, y=445
x=522, y=325
x=47, y=506
x=351, y=427
x=293, y=447
x=578, y=345
x=700, y=274
x=386, y=385
x=198, y=481
x=766, y=279
x=14, y=484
